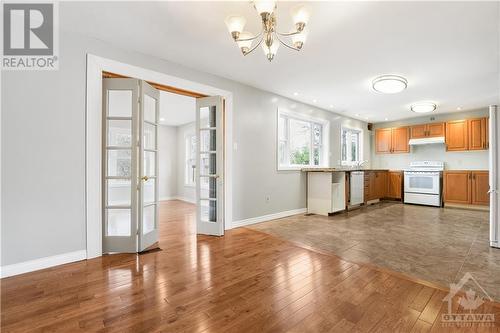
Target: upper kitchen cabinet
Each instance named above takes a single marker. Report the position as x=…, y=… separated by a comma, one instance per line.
x=400, y=138
x=427, y=130
x=418, y=131
x=383, y=140
x=457, y=135
x=392, y=140
x=467, y=134
x=435, y=130
x=477, y=134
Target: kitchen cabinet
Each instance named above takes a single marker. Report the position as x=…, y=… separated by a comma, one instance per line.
x=480, y=187
x=467, y=134
x=427, y=130
x=394, y=185
x=392, y=140
x=477, y=134
x=380, y=184
x=418, y=131
x=436, y=130
x=466, y=187
x=457, y=135
x=400, y=138
x=457, y=187
x=383, y=140
x=375, y=185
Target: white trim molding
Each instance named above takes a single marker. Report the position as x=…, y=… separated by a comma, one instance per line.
x=269, y=217
x=41, y=263
x=93, y=144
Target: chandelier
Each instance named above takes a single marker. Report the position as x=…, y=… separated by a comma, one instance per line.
x=269, y=37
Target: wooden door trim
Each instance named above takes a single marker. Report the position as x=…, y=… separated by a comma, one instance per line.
x=158, y=86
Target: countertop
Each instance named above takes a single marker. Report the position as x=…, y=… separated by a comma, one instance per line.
x=341, y=170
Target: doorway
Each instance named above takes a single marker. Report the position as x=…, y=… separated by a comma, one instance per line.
x=213, y=171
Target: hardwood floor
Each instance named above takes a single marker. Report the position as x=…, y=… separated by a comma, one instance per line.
x=246, y=281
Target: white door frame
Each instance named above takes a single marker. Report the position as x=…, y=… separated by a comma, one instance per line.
x=93, y=138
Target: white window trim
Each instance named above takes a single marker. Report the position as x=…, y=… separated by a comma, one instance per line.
x=361, y=141
x=186, y=136
x=325, y=154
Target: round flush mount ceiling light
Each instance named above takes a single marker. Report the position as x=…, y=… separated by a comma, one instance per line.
x=389, y=84
x=423, y=107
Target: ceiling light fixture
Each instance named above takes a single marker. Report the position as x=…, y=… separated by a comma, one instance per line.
x=269, y=37
x=295, y=94
x=315, y=100
x=389, y=84
x=423, y=107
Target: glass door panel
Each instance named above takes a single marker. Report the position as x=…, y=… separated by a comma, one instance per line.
x=148, y=146
x=119, y=222
x=210, y=174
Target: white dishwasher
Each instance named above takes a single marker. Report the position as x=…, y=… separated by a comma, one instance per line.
x=357, y=187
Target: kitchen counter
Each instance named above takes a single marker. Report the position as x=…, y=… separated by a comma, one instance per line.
x=340, y=170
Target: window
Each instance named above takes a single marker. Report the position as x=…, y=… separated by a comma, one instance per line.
x=301, y=141
x=190, y=173
x=351, y=141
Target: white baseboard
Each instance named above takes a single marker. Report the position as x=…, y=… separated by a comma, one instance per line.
x=41, y=263
x=264, y=218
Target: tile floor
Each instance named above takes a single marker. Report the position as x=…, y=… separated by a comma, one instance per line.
x=438, y=245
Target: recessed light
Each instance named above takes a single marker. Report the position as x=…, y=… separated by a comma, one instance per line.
x=386, y=119
x=389, y=84
x=357, y=114
x=331, y=106
x=295, y=94
x=315, y=100
x=423, y=107
x=162, y=119
x=459, y=108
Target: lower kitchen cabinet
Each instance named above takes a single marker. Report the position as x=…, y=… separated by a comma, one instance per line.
x=394, y=185
x=480, y=187
x=466, y=187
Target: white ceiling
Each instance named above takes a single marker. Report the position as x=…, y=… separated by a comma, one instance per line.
x=176, y=110
x=448, y=51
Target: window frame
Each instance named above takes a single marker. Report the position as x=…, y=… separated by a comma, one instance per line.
x=348, y=149
x=324, y=144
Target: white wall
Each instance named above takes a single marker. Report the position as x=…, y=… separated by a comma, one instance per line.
x=167, y=162
x=184, y=192
x=466, y=160
x=43, y=148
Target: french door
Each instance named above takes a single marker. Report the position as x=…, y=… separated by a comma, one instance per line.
x=210, y=162
x=130, y=165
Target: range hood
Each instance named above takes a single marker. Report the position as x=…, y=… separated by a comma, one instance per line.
x=427, y=141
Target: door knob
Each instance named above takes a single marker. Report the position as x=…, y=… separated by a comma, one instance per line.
x=145, y=178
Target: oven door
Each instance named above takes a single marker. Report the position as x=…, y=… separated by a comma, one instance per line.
x=422, y=182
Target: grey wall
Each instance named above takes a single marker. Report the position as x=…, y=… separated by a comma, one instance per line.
x=167, y=162
x=468, y=160
x=184, y=192
x=43, y=149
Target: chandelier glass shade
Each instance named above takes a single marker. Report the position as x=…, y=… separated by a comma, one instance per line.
x=269, y=37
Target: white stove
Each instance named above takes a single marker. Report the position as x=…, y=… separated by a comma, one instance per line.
x=422, y=183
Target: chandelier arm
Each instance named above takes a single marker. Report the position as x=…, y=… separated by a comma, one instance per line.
x=288, y=34
x=248, y=39
x=285, y=44
x=256, y=46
